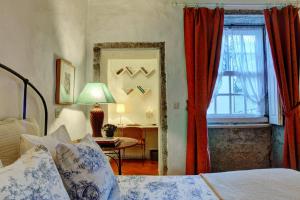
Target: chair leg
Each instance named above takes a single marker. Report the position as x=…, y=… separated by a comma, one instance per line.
x=144, y=152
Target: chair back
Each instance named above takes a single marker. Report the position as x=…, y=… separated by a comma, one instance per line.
x=133, y=132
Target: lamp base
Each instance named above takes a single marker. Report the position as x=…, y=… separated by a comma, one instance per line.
x=96, y=120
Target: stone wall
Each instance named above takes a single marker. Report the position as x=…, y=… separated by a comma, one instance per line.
x=277, y=145
x=240, y=148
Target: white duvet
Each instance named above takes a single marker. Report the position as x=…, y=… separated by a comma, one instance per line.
x=262, y=184
x=164, y=188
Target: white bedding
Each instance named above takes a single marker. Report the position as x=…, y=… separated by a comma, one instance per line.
x=262, y=184
x=164, y=188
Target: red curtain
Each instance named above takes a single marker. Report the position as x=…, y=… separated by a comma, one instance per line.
x=284, y=34
x=203, y=29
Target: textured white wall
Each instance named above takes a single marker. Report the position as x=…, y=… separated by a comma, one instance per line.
x=33, y=33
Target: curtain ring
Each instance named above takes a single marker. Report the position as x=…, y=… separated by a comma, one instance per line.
x=269, y=4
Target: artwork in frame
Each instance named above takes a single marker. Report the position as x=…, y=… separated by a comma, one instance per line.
x=65, y=81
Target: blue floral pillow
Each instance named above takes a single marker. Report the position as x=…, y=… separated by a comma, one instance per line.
x=33, y=176
x=86, y=172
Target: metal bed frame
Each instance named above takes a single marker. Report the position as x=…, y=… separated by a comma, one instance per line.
x=27, y=83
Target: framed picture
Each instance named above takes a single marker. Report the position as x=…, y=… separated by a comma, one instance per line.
x=65, y=80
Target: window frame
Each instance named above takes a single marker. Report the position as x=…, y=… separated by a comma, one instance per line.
x=247, y=118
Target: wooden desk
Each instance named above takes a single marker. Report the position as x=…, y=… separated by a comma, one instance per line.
x=143, y=126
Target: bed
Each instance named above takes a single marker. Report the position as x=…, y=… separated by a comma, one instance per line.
x=264, y=184
x=259, y=184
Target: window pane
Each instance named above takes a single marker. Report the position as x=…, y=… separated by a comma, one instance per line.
x=236, y=86
x=238, y=104
x=224, y=85
x=253, y=108
x=223, y=105
x=211, y=108
x=251, y=63
x=250, y=43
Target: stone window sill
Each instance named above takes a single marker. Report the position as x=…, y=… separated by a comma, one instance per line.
x=211, y=126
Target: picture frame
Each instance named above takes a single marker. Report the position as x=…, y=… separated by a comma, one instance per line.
x=65, y=82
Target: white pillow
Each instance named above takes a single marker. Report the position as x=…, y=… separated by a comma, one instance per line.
x=50, y=141
x=86, y=172
x=10, y=134
x=33, y=176
x=61, y=134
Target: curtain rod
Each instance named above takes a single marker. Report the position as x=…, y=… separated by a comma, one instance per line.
x=222, y=4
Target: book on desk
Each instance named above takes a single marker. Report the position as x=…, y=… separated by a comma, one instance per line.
x=107, y=141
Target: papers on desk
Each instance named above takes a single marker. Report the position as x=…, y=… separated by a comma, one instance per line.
x=107, y=141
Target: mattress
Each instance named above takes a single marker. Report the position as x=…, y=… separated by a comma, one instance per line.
x=164, y=188
x=263, y=184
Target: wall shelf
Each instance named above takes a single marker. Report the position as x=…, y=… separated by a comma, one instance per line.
x=133, y=71
x=141, y=90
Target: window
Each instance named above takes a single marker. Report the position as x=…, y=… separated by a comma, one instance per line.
x=240, y=90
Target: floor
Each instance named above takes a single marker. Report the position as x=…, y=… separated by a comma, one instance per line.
x=136, y=167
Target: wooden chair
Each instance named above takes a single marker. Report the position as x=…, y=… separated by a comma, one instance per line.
x=136, y=133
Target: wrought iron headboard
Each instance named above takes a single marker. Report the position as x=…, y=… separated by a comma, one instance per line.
x=26, y=84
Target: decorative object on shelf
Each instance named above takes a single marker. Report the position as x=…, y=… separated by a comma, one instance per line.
x=128, y=90
x=96, y=94
x=149, y=113
x=120, y=109
x=65, y=81
x=120, y=71
x=128, y=69
x=147, y=73
x=109, y=129
x=144, y=70
x=143, y=90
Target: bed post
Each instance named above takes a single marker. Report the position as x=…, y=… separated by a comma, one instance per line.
x=25, y=98
x=26, y=83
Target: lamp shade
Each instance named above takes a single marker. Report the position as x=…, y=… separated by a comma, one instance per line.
x=95, y=93
x=120, y=108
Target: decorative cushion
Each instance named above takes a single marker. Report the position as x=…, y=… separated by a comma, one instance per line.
x=10, y=134
x=61, y=134
x=33, y=176
x=50, y=141
x=86, y=171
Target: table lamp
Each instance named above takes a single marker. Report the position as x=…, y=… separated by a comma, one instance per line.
x=120, y=109
x=96, y=94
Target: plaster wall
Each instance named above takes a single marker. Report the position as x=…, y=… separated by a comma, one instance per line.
x=33, y=34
